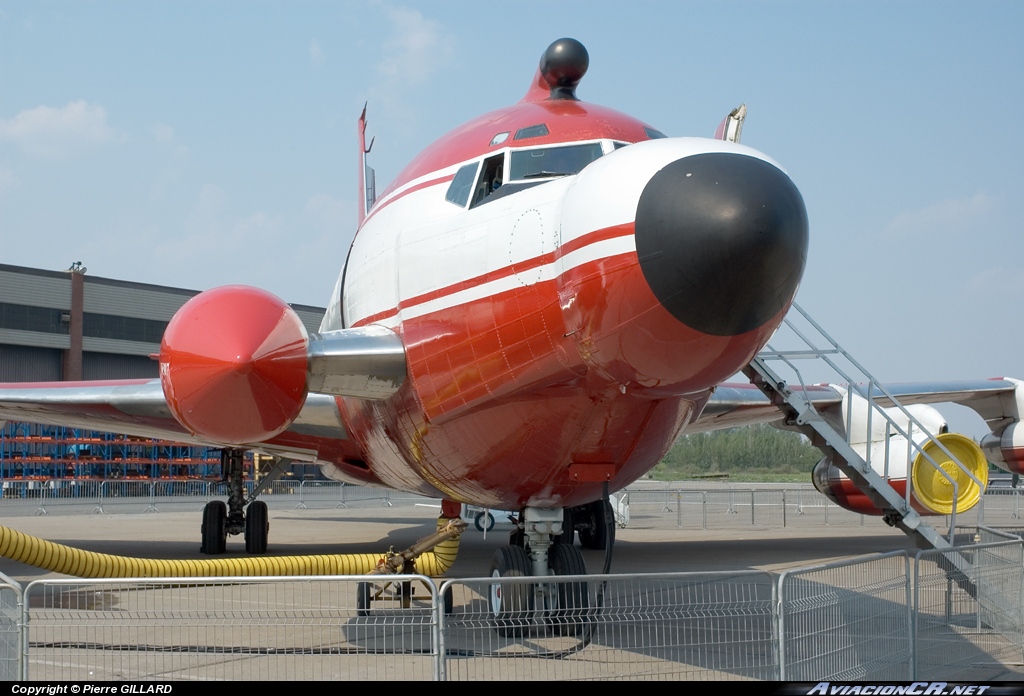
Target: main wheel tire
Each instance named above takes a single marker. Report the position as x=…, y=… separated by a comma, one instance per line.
x=214, y=528
x=257, y=527
x=568, y=535
x=484, y=521
x=598, y=533
x=571, y=614
x=511, y=604
x=363, y=599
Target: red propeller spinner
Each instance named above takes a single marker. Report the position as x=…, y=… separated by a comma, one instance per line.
x=233, y=364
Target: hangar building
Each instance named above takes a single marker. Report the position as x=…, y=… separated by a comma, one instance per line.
x=67, y=325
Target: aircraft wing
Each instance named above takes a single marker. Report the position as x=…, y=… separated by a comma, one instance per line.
x=733, y=405
x=135, y=407
x=237, y=369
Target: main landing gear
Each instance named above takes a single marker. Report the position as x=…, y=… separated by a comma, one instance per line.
x=542, y=546
x=220, y=520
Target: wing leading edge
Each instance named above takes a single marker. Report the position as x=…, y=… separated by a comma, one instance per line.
x=735, y=404
x=137, y=408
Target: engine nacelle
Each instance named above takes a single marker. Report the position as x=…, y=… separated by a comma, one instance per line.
x=233, y=365
x=933, y=490
x=1006, y=450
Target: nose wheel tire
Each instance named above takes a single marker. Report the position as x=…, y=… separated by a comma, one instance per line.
x=214, y=528
x=571, y=614
x=363, y=599
x=511, y=605
x=257, y=527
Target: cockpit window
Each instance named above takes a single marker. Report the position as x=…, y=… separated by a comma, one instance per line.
x=462, y=185
x=491, y=176
x=552, y=161
x=531, y=132
x=654, y=134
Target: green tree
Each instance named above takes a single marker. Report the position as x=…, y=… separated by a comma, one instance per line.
x=755, y=449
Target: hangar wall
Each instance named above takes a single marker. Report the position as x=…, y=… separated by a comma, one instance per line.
x=121, y=324
x=51, y=330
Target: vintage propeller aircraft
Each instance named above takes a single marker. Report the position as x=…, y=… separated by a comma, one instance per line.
x=528, y=317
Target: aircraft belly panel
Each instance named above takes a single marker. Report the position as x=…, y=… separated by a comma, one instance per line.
x=522, y=450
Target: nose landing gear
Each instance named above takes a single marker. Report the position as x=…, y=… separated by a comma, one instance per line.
x=518, y=608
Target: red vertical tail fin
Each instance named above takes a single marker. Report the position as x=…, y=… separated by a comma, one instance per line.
x=367, y=178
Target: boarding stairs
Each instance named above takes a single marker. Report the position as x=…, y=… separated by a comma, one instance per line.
x=802, y=347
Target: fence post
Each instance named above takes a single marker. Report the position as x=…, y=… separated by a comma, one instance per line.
x=440, y=669
x=302, y=494
x=976, y=571
x=917, y=614
x=704, y=510
x=23, y=633
x=152, y=498
x=751, y=507
x=780, y=623
x=98, y=510
x=783, y=508
x=679, y=509
x=912, y=617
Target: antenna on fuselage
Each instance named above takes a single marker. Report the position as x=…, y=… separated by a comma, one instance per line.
x=731, y=126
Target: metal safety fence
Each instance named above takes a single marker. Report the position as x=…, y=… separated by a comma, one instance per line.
x=309, y=628
x=955, y=614
x=850, y=620
x=678, y=507
x=695, y=626
x=157, y=495
x=730, y=508
x=10, y=629
x=968, y=612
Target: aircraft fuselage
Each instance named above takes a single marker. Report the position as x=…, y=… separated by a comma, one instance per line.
x=569, y=286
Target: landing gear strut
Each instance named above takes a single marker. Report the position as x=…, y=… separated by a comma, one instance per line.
x=232, y=462
x=220, y=520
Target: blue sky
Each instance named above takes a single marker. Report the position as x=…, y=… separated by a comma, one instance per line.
x=198, y=144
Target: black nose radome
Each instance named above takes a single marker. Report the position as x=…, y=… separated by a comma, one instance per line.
x=722, y=241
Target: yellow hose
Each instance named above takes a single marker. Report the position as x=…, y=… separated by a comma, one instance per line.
x=436, y=563
x=59, y=558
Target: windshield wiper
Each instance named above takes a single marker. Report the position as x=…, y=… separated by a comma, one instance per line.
x=537, y=175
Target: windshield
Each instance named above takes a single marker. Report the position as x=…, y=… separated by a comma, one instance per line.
x=552, y=161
